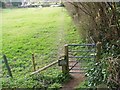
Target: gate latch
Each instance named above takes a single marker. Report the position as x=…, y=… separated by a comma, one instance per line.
x=61, y=62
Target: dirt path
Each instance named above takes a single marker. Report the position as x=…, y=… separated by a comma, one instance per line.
x=77, y=77
x=61, y=36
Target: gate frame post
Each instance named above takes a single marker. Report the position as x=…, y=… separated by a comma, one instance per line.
x=65, y=68
x=7, y=66
x=33, y=61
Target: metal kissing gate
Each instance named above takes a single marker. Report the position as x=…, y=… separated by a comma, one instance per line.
x=77, y=57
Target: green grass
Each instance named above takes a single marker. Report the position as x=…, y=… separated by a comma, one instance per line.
x=33, y=30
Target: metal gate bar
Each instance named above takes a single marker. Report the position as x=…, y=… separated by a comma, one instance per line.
x=83, y=56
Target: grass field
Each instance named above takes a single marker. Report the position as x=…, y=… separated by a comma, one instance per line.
x=42, y=31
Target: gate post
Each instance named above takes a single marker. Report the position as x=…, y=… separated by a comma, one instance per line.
x=7, y=65
x=33, y=60
x=65, y=68
x=98, y=54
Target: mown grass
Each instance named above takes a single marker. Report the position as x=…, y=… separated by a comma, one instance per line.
x=33, y=30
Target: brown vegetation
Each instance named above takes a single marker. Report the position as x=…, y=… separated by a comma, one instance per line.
x=100, y=22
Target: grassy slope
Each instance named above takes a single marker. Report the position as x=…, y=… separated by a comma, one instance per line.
x=27, y=31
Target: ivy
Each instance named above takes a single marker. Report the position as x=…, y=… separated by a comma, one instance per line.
x=97, y=74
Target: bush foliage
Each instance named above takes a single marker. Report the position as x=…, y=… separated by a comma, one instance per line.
x=100, y=23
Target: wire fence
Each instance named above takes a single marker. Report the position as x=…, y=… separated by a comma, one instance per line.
x=26, y=64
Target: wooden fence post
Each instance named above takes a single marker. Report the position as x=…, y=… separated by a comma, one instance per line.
x=98, y=53
x=33, y=60
x=7, y=65
x=65, y=68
